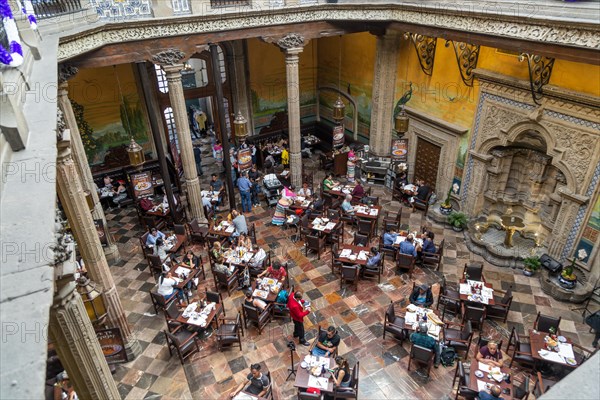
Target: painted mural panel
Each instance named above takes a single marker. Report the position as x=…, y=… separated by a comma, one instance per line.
x=590, y=233
x=109, y=112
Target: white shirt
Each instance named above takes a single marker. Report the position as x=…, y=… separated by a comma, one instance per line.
x=259, y=257
x=305, y=193
x=165, y=286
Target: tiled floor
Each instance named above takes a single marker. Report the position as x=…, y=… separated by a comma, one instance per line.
x=358, y=315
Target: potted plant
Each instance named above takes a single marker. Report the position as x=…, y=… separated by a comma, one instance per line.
x=457, y=220
x=567, y=278
x=530, y=265
x=446, y=207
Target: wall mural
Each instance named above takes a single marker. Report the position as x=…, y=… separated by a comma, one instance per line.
x=590, y=233
x=106, y=121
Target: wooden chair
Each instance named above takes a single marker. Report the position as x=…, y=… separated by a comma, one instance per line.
x=463, y=383
x=473, y=313
x=184, y=342
x=337, y=235
x=394, y=324
x=522, y=350
x=461, y=338
x=543, y=323
x=260, y=318
x=252, y=234
x=180, y=229
x=390, y=252
x=449, y=298
x=521, y=389
x=360, y=240
x=281, y=310
x=366, y=227
x=542, y=385
x=333, y=214
x=230, y=332
x=315, y=243
x=159, y=302
x=374, y=271
x=145, y=249
x=501, y=307
x=582, y=354
x=198, y=232
x=350, y=392
x=350, y=273
x=320, y=331
x=474, y=272
x=217, y=298
x=171, y=314
x=421, y=355
x=222, y=279
x=155, y=264
x=422, y=205
x=152, y=222
x=372, y=200
x=335, y=255
x=405, y=261
x=348, y=219
x=309, y=396
x=434, y=259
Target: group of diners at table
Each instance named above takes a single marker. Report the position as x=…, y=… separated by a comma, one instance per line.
x=238, y=263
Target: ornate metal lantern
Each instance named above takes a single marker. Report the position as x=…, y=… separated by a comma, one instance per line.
x=339, y=110
x=92, y=299
x=136, y=154
x=401, y=122
x=240, y=128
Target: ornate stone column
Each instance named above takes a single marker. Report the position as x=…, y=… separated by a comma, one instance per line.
x=564, y=222
x=80, y=219
x=292, y=45
x=240, y=84
x=72, y=332
x=81, y=162
x=474, y=199
x=384, y=83
x=171, y=62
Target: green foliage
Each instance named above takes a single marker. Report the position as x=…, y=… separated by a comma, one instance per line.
x=132, y=120
x=458, y=219
x=532, y=263
x=85, y=130
x=446, y=202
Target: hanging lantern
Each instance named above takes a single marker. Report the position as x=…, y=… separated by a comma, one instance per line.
x=339, y=110
x=401, y=122
x=239, y=127
x=89, y=200
x=136, y=154
x=92, y=299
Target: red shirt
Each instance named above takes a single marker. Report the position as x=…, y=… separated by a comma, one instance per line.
x=297, y=312
x=278, y=274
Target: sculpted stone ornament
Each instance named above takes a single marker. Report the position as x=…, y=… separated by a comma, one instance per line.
x=66, y=72
x=291, y=41
x=62, y=250
x=169, y=57
x=61, y=125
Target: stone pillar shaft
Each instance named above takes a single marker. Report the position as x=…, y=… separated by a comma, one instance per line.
x=384, y=83
x=81, y=162
x=80, y=219
x=240, y=92
x=76, y=344
x=177, y=98
x=292, y=59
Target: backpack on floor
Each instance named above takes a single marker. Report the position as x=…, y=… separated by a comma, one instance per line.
x=447, y=356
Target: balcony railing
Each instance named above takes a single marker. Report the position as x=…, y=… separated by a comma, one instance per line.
x=229, y=3
x=52, y=8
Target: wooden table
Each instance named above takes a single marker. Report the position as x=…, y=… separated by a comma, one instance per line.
x=409, y=327
x=302, y=376
x=324, y=231
x=160, y=214
x=355, y=250
x=209, y=319
x=300, y=205
x=503, y=384
x=221, y=232
x=464, y=297
x=180, y=241
x=242, y=264
x=338, y=190
x=365, y=215
x=537, y=343
x=250, y=395
x=271, y=297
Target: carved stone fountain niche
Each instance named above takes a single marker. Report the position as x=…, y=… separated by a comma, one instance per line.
x=519, y=203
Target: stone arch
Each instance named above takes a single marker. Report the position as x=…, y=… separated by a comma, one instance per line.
x=519, y=131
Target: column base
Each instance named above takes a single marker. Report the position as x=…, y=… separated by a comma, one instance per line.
x=111, y=252
x=132, y=349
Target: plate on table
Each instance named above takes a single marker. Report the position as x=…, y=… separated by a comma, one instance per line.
x=570, y=361
x=479, y=374
x=562, y=339
x=303, y=364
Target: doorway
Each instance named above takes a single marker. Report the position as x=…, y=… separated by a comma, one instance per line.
x=427, y=161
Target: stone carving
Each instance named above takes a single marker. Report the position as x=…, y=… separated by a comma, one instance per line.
x=62, y=250
x=518, y=28
x=66, y=72
x=291, y=41
x=495, y=120
x=579, y=149
x=169, y=57
x=122, y=9
x=61, y=125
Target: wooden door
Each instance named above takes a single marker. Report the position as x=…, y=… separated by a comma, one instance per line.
x=427, y=161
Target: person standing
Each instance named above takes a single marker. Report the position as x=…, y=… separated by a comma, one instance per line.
x=285, y=158
x=198, y=159
x=254, y=177
x=298, y=311
x=244, y=185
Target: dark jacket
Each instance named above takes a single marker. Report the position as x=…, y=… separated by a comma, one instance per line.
x=415, y=295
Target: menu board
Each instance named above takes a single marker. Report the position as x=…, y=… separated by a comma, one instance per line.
x=338, y=136
x=399, y=149
x=142, y=184
x=112, y=345
x=101, y=232
x=244, y=159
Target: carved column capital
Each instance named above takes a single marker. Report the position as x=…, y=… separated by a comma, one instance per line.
x=170, y=56
x=173, y=72
x=66, y=72
x=291, y=41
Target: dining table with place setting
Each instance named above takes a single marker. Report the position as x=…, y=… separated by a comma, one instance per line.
x=174, y=242
x=199, y=314
x=238, y=256
x=484, y=376
x=315, y=372
x=266, y=289
x=417, y=238
x=301, y=203
x=556, y=349
x=223, y=228
x=367, y=212
x=212, y=196
x=342, y=190
x=476, y=292
x=324, y=225
x=357, y=255
x=415, y=315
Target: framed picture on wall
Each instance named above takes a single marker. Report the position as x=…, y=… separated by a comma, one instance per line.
x=112, y=345
x=244, y=159
x=142, y=184
x=338, y=136
x=400, y=149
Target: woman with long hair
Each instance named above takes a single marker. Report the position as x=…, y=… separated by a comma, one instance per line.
x=341, y=373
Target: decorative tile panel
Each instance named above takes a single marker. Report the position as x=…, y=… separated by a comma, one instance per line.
x=123, y=9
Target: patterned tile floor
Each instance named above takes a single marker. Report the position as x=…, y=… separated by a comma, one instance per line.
x=358, y=315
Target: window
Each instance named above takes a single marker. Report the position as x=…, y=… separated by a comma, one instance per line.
x=194, y=74
x=222, y=64
x=161, y=78
x=181, y=7
x=170, y=120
